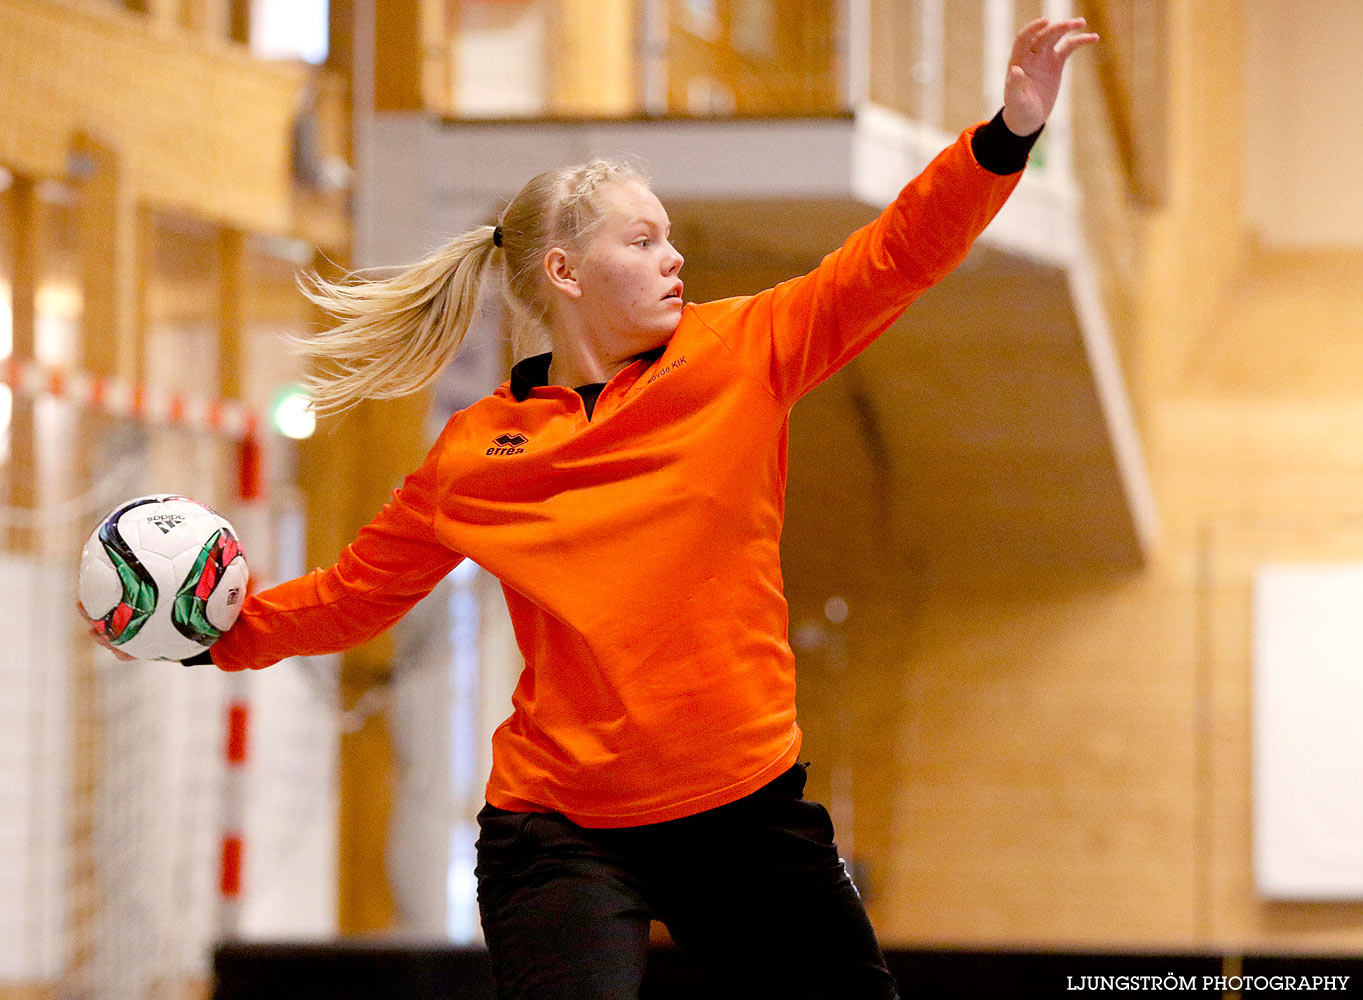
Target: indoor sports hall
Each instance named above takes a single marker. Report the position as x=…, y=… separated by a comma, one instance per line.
x=1070, y=563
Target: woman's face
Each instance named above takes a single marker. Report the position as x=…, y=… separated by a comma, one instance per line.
x=628, y=284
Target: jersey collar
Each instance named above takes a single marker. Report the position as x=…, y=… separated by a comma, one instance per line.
x=531, y=372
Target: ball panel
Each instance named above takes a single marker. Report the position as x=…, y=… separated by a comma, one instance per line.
x=100, y=587
x=139, y=589
x=225, y=603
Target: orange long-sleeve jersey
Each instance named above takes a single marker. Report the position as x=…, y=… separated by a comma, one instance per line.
x=639, y=549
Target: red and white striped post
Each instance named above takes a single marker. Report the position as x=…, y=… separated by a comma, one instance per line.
x=232, y=855
x=237, y=729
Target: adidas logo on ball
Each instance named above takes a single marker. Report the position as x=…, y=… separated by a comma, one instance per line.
x=166, y=522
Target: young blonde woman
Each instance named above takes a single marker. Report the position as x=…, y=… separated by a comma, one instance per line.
x=627, y=489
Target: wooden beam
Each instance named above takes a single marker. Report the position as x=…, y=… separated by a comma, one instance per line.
x=106, y=223
x=346, y=473
x=22, y=486
x=231, y=246
x=592, y=63
x=231, y=322
x=1113, y=77
x=381, y=442
x=146, y=276
x=239, y=22
x=164, y=14
x=208, y=19
x=341, y=38
x=109, y=240
x=397, y=55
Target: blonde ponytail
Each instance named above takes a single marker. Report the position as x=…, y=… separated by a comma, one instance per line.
x=396, y=334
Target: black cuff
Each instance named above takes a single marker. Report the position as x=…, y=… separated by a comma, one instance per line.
x=199, y=660
x=998, y=150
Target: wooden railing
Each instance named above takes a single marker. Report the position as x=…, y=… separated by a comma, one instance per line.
x=940, y=63
x=752, y=58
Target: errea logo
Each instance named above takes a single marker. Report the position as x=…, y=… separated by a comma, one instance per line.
x=508, y=444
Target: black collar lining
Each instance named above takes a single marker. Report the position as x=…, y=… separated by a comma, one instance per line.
x=532, y=372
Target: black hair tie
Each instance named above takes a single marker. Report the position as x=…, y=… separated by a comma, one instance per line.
x=497, y=236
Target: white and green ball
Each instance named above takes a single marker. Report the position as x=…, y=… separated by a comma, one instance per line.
x=162, y=577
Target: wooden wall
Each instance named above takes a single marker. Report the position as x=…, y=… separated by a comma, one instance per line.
x=1062, y=759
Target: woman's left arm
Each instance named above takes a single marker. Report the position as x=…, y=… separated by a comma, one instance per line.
x=800, y=332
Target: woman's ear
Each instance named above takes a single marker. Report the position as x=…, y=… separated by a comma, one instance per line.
x=562, y=272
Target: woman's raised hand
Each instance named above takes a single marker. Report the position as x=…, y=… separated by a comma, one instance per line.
x=1039, y=54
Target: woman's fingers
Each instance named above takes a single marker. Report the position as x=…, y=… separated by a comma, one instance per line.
x=1033, y=28
x=1072, y=42
x=1026, y=38
x=98, y=636
x=1056, y=31
x=1042, y=35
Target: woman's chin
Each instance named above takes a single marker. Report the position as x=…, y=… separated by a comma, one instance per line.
x=663, y=331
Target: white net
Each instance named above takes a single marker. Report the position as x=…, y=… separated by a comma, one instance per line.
x=113, y=779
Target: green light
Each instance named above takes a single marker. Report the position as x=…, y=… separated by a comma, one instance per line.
x=290, y=414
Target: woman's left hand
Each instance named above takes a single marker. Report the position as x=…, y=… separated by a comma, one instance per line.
x=1034, y=71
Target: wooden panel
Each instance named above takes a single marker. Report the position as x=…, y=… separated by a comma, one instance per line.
x=209, y=19
x=1114, y=227
x=1268, y=306
x=197, y=124
x=963, y=66
x=1026, y=11
x=1132, y=65
x=341, y=38
x=397, y=56
x=1024, y=750
x=1200, y=242
x=594, y=72
x=1065, y=758
x=794, y=75
x=378, y=444
x=24, y=235
x=15, y=992
x=348, y=470
x=109, y=261
x=897, y=56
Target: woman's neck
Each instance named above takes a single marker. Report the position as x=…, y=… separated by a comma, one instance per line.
x=575, y=362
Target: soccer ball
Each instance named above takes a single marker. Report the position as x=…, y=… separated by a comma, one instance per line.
x=162, y=577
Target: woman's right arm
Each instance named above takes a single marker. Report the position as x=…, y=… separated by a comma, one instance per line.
x=394, y=562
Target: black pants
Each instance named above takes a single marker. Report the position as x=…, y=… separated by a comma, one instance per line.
x=754, y=892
